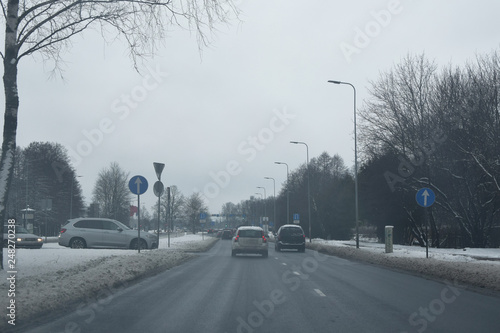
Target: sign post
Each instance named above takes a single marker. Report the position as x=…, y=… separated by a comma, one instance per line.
x=138, y=185
x=425, y=198
x=203, y=217
x=158, y=191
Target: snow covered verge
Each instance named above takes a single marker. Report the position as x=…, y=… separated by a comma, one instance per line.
x=50, y=279
x=476, y=268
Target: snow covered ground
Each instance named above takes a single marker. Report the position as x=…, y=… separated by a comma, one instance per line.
x=449, y=255
x=49, y=279
x=473, y=268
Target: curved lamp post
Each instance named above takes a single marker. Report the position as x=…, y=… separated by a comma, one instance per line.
x=355, y=161
x=308, y=186
x=274, y=197
x=287, y=193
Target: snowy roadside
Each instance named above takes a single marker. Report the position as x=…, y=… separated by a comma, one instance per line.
x=476, y=268
x=50, y=279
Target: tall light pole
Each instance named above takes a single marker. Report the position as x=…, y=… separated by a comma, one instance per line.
x=260, y=199
x=287, y=193
x=308, y=186
x=355, y=161
x=71, y=199
x=265, y=212
x=274, y=197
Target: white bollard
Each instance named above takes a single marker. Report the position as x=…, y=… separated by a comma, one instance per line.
x=388, y=238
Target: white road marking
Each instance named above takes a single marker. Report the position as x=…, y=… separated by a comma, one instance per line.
x=319, y=292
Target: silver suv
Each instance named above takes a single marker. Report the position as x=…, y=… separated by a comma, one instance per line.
x=249, y=240
x=103, y=233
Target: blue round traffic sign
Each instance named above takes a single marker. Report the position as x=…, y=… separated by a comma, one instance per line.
x=138, y=185
x=425, y=197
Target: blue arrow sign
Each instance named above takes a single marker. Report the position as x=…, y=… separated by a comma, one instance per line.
x=296, y=216
x=203, y=216
x=425, y=197
x=138, y=185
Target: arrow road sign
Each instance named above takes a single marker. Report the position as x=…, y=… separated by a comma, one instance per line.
x=138, y=185
x=425, y=197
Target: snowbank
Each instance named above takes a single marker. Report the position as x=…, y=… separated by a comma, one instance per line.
x=478, y=268
x=50, y=279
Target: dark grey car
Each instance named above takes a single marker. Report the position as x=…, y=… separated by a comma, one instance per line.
x=290, y=236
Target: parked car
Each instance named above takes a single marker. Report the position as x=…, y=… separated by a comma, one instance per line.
x=290, y=236
x=227, y=234
x=249, y=240
x=21, y=237
x=103, y=233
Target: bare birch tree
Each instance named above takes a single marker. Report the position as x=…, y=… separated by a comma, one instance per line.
x=46, y=27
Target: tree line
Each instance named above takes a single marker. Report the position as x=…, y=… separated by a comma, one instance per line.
x=437, y=128
x=45, y=181
x=421, y=126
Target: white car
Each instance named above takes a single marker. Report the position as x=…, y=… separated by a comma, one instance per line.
x=21, y=237
x=249, y=240
x=103, y=233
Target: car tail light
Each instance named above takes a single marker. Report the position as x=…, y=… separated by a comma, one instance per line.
x=264, y=240
x=63, y=231
x=236, y=238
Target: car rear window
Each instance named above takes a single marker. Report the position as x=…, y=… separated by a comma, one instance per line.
x=292, y=231
x=250, y=233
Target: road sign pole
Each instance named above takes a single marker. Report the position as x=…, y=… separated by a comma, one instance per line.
x=138, y=185
x=168, y=215
x=138, y=223
x=426, y=233
x=425, y=198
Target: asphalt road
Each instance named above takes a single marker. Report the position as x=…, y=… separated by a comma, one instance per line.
x=287, y=292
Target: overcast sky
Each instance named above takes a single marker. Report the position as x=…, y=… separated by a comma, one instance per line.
x=219, y=120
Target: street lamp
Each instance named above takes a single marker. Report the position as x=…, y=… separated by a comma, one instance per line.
x=274, y=197
x=287, y=193
x=71, y=198
x=260, y=199
x=265, y=213
x=355, y=162
x=308, y=187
